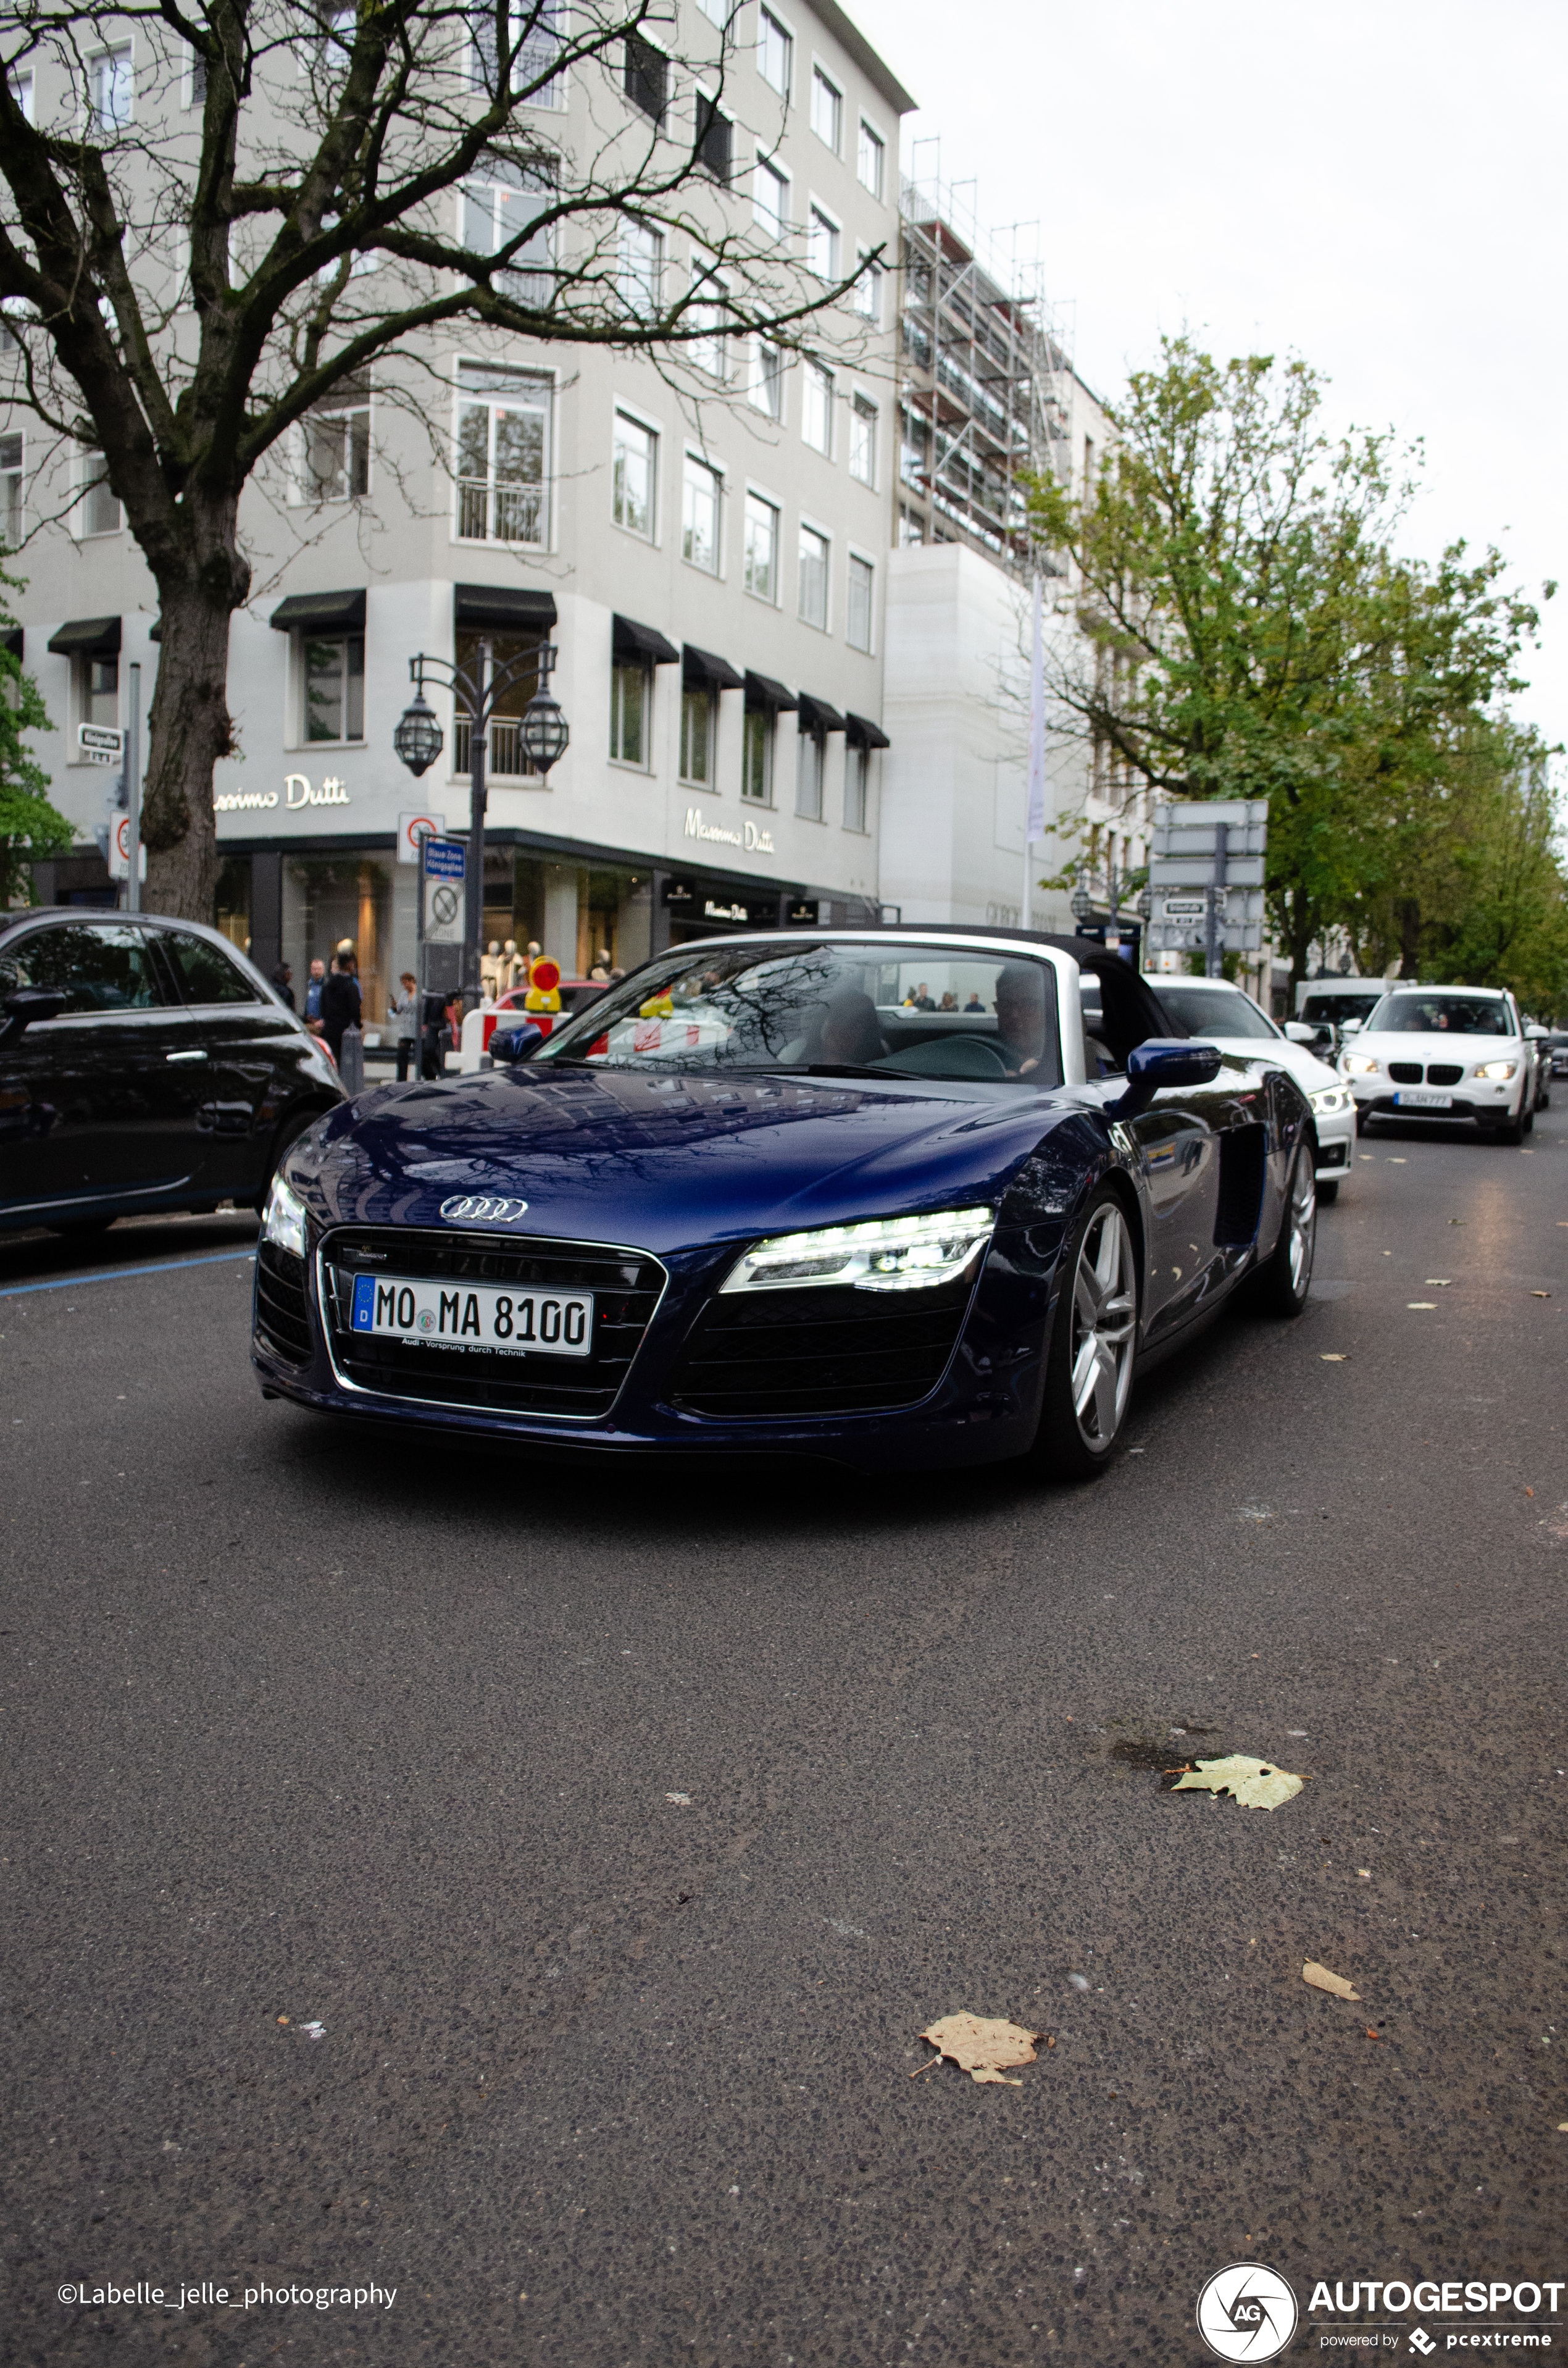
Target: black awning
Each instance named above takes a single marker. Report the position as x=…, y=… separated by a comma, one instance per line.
x=863, y=733
x=510, y=608
x=763, y=691
x=699, y=669
x=87, y=637
x=11, y=641
x=816, y=715
x=630, y=640
x=320, y=612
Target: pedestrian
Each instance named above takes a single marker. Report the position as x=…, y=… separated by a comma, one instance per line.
x=281, y=987
x=403, y=1010
x=340, y=1005
x=313, y=989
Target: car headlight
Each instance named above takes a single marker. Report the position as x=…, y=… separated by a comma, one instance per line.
x=889, y=1254
x=1329, y=1098
x=1501, y=1070
x=1359, y=1065
x=283, y=1221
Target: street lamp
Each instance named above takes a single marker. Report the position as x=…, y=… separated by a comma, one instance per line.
x=1082, y=904
x=479, y=690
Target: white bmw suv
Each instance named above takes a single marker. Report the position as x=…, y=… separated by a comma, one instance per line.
x=1220, y=1014
x=1444, y=1052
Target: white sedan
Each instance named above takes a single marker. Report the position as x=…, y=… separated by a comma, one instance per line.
x=1444, y=1053
x=1220, y=1014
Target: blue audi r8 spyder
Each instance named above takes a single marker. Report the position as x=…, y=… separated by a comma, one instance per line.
x=880, y=1198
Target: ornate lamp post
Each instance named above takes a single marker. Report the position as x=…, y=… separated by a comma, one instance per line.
x=478, y=690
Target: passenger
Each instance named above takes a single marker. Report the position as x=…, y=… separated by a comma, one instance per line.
x=1020, y=1017
x=949, y=1002
x=974, y=1003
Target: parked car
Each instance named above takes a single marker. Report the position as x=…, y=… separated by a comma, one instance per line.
x=882, y=1198
x=145, y=1063
x=1222, y=1014
x=1540, y=1045
x=1557, y=1043
x=1445, y=1053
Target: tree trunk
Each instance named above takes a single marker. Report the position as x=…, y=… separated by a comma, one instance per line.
x=191, y=726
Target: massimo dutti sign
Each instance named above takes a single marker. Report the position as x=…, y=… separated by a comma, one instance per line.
x=297, y=793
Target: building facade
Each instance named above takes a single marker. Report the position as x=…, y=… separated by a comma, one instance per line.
x=705, y=551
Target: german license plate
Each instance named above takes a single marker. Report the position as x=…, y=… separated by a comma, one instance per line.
x=1425, y=1101
x=462, y=1315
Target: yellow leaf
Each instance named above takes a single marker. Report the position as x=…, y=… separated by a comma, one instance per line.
x=980, y=2045
x=1322, y=1979
x=1255, y=1783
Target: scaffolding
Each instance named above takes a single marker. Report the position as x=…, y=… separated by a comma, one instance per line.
x=984, y=377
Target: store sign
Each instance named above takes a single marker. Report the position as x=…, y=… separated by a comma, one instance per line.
x=679, y=892
x=297, y=793
x=803, y=914
x=752, y=842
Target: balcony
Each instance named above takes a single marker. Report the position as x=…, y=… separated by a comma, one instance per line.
x=497, y=512
x=504, y=757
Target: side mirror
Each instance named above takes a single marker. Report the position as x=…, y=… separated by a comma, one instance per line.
x=1163, y=1061
x=25, y=1004
x=1298, y=1032
x=1350, y=1027
x=518, y=1044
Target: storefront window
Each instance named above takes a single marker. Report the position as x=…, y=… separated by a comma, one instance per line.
x=329, y=897
x=230, y=907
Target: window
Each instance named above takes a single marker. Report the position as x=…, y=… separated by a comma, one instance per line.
x=858, y=619
x=813, y=577
x=642, y=268
x=630, y=691
x=770, y=197
x=762, y=549
x=856, y=782
x=634, y=463
x=700, y=498
x=809, y=773
x=499, y=204
x=504, y=750
x=910, y=527
x=10, y=491
x=866, y=296
x=708, y=351
x=822, y=244
x=647, y=77
x=698, y=716
x=827, y=109
x=503, y=455
x=98, y=692
x=335, y=447
x=863, y=440
x=719, y=12
x=205, y=972
x=99, y=966
x=109, y=89
x=766, y=391
x=774, y=51
x=100, y=508
x=756, y=756
x=21, y=79
x=816, y=408
x=715, y=141
x=333, y=673
x=533, y=34
x=196, y=80
x=912, y=449
x=1088, y=466
x=868, y=163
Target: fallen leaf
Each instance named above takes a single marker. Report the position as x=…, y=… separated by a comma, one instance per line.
x=1540, y=1294
x=1330, y=1357
x=282, y=2018
x=1322, y=1979
x=1438, y=1281
x=1396, y=1163
x=1365, y=1872
x=1458, y=1220
x=1371, y=2034
x=1429, y=1304
x=980, y=2045
x=678, y=1800
x=1253, y=1784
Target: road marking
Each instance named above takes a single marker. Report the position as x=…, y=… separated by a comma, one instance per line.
x=115, y=1273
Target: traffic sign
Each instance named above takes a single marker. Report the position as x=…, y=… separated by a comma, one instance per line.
x=444, y=863
x=99, y=743
x=1218, y=846
x=414, y=826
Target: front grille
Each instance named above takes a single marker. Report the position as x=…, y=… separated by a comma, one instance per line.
x=626, y=1285
x=808, y=1352
x=1405, y=1073
x=1444, y=1072
x=282, y=1317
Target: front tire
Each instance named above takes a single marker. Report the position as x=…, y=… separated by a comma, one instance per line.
x=1284, y=1281
x=1093, y=1345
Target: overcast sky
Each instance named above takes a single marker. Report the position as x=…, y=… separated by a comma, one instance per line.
x=1376, y=186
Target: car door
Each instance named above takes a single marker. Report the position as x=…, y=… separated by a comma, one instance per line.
x=89, y=1116
x=233, y=1042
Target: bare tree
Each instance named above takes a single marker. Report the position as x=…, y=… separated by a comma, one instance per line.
x=179, y=299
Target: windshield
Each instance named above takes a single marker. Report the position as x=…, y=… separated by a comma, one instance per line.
x=1439, y=1015
x=834, y=1008
x=1333, y=1010
x=1213, y=1011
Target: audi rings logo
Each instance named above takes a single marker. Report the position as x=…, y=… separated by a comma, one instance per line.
x=483, y=1208
x=1246, y=2312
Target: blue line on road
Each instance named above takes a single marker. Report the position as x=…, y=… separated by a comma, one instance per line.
x=115, y=1273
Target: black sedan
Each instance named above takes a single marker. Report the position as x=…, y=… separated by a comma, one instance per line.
x=881, y=1198
x=144, y=1064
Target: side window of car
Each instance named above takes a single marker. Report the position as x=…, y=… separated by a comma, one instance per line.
x=97, y=966
x=206, y=973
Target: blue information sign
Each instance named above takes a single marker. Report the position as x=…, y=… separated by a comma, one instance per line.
x=445, y=859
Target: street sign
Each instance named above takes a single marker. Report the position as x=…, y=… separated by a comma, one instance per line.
x=445, y=862
x=119, y=850
x=1218, y=846
x=414, y=826
x=99, y=745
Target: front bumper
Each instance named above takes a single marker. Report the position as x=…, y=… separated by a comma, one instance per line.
x=1475, y=1101
x=1337, y=1144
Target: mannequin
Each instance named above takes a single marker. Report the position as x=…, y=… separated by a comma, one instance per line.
x=513, y=966
x=490, y=971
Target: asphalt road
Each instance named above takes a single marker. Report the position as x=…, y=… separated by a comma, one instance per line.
x=621, y=1838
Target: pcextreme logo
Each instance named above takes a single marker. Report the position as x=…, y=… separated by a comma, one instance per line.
x=1246, y=2312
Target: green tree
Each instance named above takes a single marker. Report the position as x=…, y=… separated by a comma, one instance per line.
x=30, y=825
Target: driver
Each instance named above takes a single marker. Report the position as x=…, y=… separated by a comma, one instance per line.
x=1020, y=1017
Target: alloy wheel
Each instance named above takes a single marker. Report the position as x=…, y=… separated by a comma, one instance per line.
x=1303, y=1221
x=1105, y=1323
